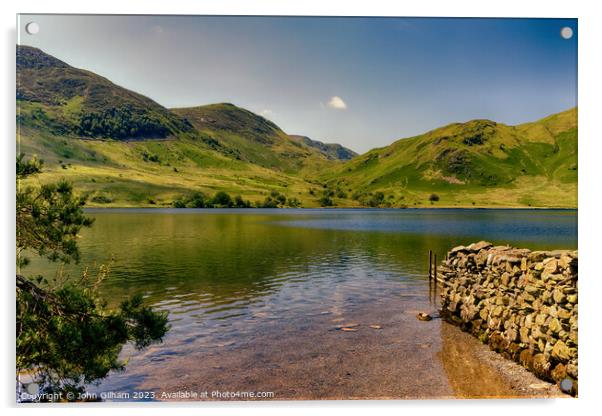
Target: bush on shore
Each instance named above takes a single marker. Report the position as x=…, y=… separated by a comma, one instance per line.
x=220, y=200
x=274, y=200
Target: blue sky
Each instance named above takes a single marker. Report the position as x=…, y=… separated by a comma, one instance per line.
x=361, y=82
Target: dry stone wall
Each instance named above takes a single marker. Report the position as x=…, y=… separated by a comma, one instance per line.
x=522, y=303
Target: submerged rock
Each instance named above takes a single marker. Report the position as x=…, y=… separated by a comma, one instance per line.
x=424, y=316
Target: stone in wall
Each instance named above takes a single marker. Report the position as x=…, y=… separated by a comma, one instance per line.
x=522, y=303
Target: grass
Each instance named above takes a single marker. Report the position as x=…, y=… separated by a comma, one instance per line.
x=222, y=147
x=120, y=172
x=252, y=138
x=512, y=167
x=155, y=173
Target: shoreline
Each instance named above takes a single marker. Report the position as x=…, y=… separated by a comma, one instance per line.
x=467, y=208
x=403, y=359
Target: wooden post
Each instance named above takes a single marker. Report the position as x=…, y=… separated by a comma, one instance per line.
x=430, y=264
x=435, y=282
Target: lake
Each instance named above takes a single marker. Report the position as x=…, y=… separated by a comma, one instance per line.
x=254, y=295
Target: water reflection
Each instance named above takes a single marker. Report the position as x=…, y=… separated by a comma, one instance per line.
x=231, y=277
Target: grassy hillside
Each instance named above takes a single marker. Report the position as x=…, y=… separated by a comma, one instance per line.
x=252, y=138
x=123, y=149
x=154, y=172
x=53, y=96
x=478, y=163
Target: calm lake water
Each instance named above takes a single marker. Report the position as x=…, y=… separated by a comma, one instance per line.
x=230, y=277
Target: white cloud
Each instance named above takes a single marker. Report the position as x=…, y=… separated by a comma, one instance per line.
x=157, y=30
x=337, y=103
x=266, y=113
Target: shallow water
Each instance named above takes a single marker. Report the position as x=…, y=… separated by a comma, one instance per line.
x=236, y=282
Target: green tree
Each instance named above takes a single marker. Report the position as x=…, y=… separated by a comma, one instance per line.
x=293, y=202
x=178, y=203
x=326, y=201
x=241, y=203
x=341, y=194
x=268, y=202
x=66, y=336
x=222, y=200
x=279, y=198
x=197, y=200
x=377, y=199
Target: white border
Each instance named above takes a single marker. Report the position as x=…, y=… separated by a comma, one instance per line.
x=590, y=152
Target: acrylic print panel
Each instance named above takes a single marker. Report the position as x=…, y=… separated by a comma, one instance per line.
x=285, y=208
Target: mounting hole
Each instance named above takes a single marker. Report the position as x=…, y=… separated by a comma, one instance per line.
x=32, y=28
x=566, y=385
x=566, y=32
x=33, y=388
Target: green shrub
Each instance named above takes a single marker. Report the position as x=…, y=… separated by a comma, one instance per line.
x=269, y=202
x=222, y=200
x=194, y=200
x=293, y=202
x=326, y=201
x=102, y=199
x=178, y=203
x=147, y=157
x=240, y=203
x=377, y=199
x=197, y=200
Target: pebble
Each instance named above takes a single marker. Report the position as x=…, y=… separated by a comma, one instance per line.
x=424, y=316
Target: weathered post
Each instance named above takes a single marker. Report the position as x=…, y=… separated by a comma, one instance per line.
x=430, y=264
x=435, y=281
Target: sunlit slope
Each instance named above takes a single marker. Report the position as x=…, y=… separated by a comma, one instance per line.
x=124, y=149
x=480, y=163
x=253, y=138
x=56, y=97
x=154, y=173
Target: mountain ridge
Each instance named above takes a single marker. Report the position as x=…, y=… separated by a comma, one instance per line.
x=222, y=147
x=85, y=104
x=476, y=154
x=333, y=151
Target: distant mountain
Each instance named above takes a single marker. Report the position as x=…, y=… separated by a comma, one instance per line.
x=528, y=164
x=228, y=118
x=222, y=147
x=55, y=96
x=333, y=151
x=251, y=137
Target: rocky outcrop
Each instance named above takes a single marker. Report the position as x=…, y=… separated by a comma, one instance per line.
x=522, y=303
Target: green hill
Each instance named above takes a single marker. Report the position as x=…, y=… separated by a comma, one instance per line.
x=124, y=149
x=480, y=162
x=252, y=138
x=58, y=98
